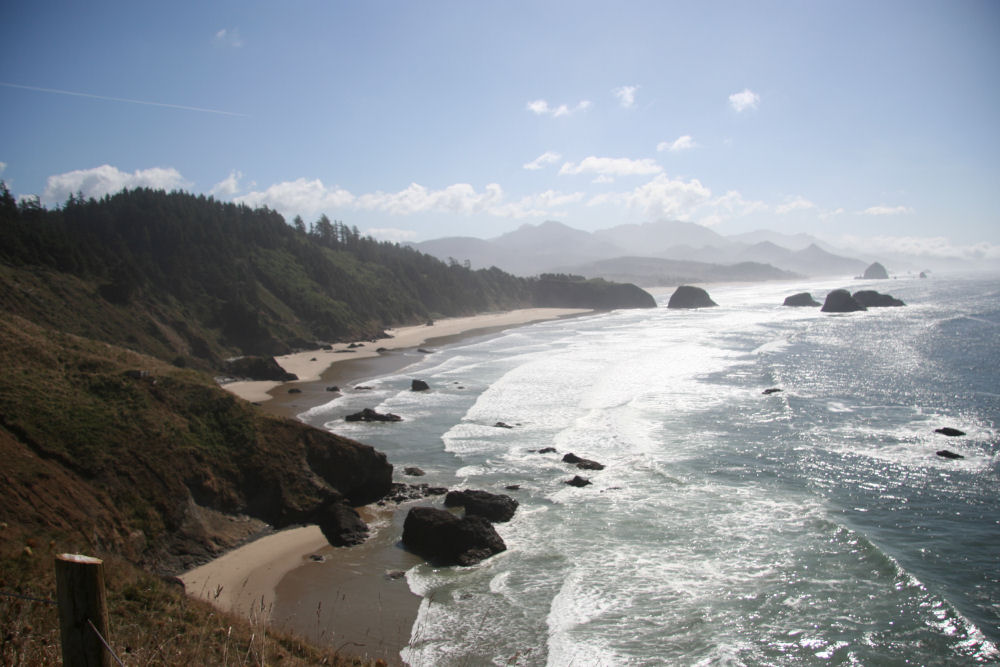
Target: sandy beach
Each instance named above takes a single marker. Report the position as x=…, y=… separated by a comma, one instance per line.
x=275, y=577
x=310, y=364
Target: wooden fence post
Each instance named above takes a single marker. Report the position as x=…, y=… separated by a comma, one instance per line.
x=80, y=594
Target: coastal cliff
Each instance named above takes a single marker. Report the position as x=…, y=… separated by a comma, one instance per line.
x=153, y=462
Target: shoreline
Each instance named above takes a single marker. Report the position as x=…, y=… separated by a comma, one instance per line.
x=280, y=578
x=311, y=365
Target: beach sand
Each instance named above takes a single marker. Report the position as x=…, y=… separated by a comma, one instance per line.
x=349, y=599
x=310, y=365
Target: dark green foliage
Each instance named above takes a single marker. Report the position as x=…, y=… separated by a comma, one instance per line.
x=185, y=277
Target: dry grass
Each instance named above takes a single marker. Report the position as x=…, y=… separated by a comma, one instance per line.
x=152, y=621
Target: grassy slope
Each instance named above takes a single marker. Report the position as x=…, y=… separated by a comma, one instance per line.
x=100, y=463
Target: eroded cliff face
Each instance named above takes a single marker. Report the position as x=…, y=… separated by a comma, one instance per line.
x=117, y=451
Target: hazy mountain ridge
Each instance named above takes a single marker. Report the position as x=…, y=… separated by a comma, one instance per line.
x=699, y=253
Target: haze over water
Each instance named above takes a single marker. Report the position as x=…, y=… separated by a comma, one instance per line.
x=815, y=525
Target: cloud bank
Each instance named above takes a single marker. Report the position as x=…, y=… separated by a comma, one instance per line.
x=106, y=180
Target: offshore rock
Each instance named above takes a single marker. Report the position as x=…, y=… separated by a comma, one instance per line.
x=841, y=301
x=414, y=471
x=578, y=481
x=493, y=507
x=800, y=300
x=688, y=296
x=949, y=431
x=369, y=415
x=872, y=299
x=875, y=272
x=945, y=454
x=441, y=536
x=583, y=464
x=419, y=385
x=772, y=390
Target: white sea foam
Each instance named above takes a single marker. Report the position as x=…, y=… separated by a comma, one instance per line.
x=811, y=526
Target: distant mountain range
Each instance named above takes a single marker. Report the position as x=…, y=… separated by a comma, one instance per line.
x=665, y=252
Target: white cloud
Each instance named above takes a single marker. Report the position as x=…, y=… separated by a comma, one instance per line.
x=612, y=166
x=794, y=204
x=887, y=210
x=929, y=247
x=602, y=179
x=548, y=157
x=3, y=167
x=391, y=234
x=661, y=197
x=544, y=204
x=458, y=198
x=728, y=206
x=106, y=180
x=299, y=197
x=228, y=186
x=542, y=108
x=229, y=37
x=681, y=143
x=743, y=100
x=626, y=96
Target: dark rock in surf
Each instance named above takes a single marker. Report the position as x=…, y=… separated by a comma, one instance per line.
x=333, y=388
x=872, y=299
x=772, y=390
x=413, y=471
x=800, y=300
x=688, y=296
x=545, y=450
x=294, y=391
x=369, y=415
x=841, y=301
x=875, y=272
x=513, y=487
x=441, y=536
x=945, y=454
x=502, y=425
x=949, y=431
x=578, y=481
x=493, y=507
x=419, y=385
x=583, y=464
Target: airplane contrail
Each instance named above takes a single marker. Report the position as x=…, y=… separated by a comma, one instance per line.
x=122, y=99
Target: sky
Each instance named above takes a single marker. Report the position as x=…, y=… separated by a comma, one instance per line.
x=865, y=123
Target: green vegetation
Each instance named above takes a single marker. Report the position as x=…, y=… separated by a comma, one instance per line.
x=194, y=280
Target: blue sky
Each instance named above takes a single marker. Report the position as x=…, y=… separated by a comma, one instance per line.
x=864, y=123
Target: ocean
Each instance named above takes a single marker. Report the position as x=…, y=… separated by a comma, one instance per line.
x=815, y=525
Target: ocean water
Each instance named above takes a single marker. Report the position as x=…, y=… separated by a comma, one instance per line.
x=815, y=525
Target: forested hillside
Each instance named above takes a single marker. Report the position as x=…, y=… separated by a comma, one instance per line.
x=193, y=280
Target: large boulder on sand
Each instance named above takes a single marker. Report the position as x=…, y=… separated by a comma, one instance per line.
x=872, y=299
x=875, y=272
x=688, y=296
x=800, y=300
x=341, y=525
x=440, y=536
x=841, y=301
x=491, y=506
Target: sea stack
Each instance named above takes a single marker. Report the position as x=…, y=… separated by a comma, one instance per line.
x=841, y=301
x=875, y=272
x=687, y=296
x=801, y=299
x=872, y=299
